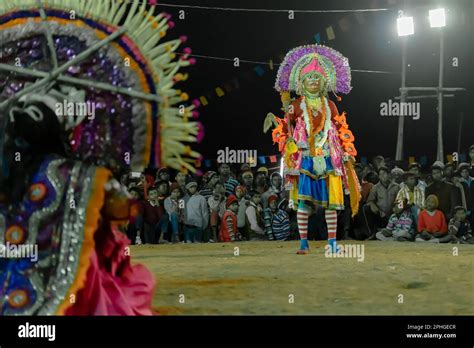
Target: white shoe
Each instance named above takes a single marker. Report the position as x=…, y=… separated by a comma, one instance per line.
x=138, y=240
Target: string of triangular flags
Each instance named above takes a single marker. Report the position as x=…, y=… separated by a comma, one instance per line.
x=344, y=24
x=275, y=159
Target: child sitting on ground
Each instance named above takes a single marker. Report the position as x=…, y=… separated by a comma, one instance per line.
x=460, y=228
x=400, y=225
x=228, y=230
x=432, y=223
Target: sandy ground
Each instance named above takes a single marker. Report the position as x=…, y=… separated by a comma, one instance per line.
x=268, y=278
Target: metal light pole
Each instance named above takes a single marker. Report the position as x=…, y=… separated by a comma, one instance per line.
x=440, y=152
x=401, y=119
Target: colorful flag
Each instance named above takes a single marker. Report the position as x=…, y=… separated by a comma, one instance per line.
x=203, y=100
x=330, y=33
x=219, y=92
x=259, y=70
x=262, y=160
x=411, y=160
x=317, y=38
x=273, y=159
x=344, y=23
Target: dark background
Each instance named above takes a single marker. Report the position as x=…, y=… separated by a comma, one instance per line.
x=235, y=120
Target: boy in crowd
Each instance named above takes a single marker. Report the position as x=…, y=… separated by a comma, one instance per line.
x=155, y=218
x=276, y=220
x=217, y=209
x=196, y=213
x=253, y=217
x=227, y=180
x=443, y=190
x=180, y=178
x=414, y=196
x=228, y=230
x=174, y=210
x=460, y=228
x=471, y=160
x=240, y=193
x=432, y=223
x=400, y=225
x=135, y=222
x=163, y=174
x=275, y=189
x=379, y=205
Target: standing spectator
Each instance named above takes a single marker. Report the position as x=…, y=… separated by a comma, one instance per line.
x=471, y=160
x=443, y=190
x=449, y=172
x=227, y=180
x=460, y=228
x=379, y=203
x=154, y=218
x=245, y=167
x=400, y=225
x=247, y=181
x=175, y=210
x=217, y=209
x=397, y=175
x=180, y=178
x=378, y=162
x=209, y=180
x=412, y=193
x=415, y=168
x=261, y=180
x=468, y=187
x=243, y=204
x=163, y=174
x=254, y=219
x=228, y=231
x=196, y=213
x=432, y=223
x=275, y=189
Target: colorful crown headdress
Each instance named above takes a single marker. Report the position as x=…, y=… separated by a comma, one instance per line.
x=327, y=62
x=122, y=64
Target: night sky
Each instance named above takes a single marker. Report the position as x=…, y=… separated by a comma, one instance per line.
x=236, y=119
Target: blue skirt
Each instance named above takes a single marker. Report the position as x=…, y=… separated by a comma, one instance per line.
x=313, y=187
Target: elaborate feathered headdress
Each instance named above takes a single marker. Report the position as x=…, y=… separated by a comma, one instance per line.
x=116, y=53
x=325, y=61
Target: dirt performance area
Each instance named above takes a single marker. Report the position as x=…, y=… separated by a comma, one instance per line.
x=268, y=278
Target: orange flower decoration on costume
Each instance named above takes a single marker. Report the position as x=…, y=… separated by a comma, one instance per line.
x=279, y=134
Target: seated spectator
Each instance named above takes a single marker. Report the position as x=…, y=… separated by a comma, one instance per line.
x=135, y=222
x=460, y=228
x=396, y=175
x=443, y=190
x=276, y=219
x=414, y=196
x=379, y=203
x=400, y=225
x=275, y=189
x=432, y=223
x=155, y=218
x=175, y=210
x=468, y=187
x=217, y=209
x=228, y=230
x=253, y=217
x=196, y=213
x=243, y=204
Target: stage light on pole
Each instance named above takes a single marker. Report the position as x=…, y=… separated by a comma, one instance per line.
x=405, y=26
x=437, y=18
